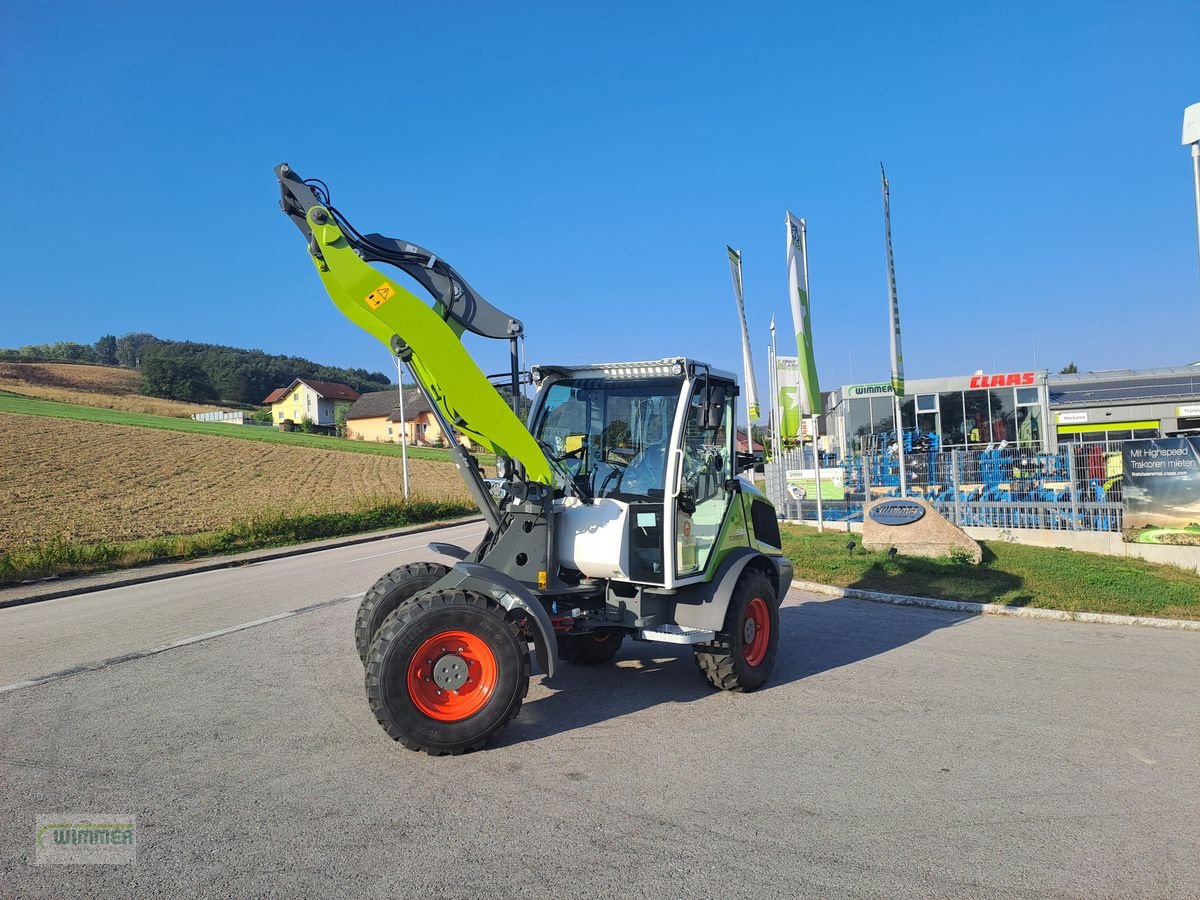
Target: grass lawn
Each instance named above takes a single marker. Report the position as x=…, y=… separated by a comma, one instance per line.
x=1011, y=574
x=12, y=403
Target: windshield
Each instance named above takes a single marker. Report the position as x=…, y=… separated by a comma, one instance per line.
x=612, y=437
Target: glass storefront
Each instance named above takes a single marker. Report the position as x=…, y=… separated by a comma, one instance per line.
x=967, y=419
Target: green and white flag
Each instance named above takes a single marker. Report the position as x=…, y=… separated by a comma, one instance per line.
x=787, y=383
x=806, y=365
x=735, y=269
x=893, y=301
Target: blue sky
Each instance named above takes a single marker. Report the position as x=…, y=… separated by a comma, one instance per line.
x=584, y=167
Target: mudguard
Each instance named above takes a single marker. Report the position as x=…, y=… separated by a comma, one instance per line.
x=704, y=605
x=452, y=550
x=510, y=594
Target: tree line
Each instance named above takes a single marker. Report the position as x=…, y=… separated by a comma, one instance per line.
x=200, y=373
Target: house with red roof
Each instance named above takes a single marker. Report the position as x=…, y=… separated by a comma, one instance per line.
x=305, y=399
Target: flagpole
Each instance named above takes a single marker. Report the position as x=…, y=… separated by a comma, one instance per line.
x=776, y=416
x=771, y=389
x=815, y=428
x=894, y=329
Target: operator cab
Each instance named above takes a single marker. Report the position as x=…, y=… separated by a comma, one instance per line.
x=643, y=453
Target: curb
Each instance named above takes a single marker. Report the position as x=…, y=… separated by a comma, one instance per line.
x=996, y=609
x=96, y=582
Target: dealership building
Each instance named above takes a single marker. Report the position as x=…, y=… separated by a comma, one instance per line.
x=1027, y=409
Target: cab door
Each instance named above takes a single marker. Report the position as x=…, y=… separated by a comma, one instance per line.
x=704, y=465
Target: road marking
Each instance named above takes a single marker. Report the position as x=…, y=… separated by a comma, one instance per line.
x=399, y=550
x=174, y=645
x=1137, y=754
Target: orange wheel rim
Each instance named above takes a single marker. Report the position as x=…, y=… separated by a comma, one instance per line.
x=756, y=631
x=452, y=676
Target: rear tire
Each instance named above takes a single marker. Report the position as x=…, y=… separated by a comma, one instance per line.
x=389, y=592
x=592, y=648
x=743, y=654
x=447, y=672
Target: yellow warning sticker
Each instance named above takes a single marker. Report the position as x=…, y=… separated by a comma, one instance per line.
x=380, y=296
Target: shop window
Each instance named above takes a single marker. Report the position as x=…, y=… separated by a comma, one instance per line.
x=1004, y=425
x=926, y=406
x=1027, y=396
x=1029, y=426
x=858, y=421
x=950, y=407
x=883, y=414
x=978, y=416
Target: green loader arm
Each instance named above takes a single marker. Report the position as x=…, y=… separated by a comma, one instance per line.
x=427, y=338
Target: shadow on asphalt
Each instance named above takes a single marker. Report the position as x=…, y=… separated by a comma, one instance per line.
x=815, y=637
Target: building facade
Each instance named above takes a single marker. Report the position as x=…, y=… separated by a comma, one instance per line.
x=319, y=402
x=1025, y=409
x=376, y=417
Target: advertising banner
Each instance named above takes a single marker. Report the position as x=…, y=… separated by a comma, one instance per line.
x=1162, y=490
x=787, y=381
x=735, y=270
x=797, y=265
x=802, y=484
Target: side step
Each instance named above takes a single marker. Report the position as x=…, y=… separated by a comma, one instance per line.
x=676, y=634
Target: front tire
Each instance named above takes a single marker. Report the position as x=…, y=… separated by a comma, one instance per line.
x=447, y=672
x=743, y=655
x=387, y=593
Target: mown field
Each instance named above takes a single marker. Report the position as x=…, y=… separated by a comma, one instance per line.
x=103, y=387
x=11, y=403
x=82, y=481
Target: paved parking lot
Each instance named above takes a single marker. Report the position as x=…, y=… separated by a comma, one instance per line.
x=896, y=752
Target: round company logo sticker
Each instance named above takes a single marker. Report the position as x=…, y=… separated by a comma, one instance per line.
x=897, y=512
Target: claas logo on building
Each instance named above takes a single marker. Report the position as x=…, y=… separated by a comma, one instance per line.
x=1010, y=379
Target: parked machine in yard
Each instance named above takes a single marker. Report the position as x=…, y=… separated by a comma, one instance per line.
x=616, y=512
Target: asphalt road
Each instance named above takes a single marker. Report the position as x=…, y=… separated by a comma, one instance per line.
x=897, y=752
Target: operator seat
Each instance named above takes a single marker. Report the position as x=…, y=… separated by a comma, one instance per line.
x=648, y=470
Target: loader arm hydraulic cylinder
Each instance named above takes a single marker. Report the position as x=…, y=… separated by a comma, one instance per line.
x=427, y=337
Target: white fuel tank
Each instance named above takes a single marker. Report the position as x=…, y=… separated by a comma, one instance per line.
x=593, y=539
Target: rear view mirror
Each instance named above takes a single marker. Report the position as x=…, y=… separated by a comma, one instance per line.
x=747, y=461
x=714, y=408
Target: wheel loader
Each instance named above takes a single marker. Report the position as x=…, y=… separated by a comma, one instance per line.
x=616, y=510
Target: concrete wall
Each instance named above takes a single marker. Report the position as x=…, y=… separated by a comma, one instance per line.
x=1108, y=543
x=1087, y=541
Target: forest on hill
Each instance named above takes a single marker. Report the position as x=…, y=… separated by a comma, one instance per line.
x=195, y=372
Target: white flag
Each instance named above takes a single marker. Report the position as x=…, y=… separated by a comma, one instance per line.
x=735, y=269
x=797, y=264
